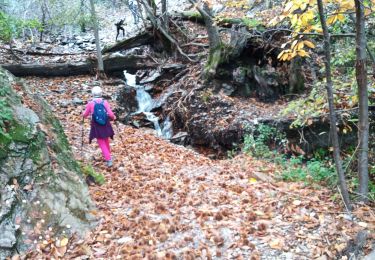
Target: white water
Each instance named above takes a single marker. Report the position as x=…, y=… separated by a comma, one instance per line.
x=145, y=104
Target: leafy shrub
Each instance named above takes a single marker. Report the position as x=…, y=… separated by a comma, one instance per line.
x=314, y=170
x=11, y=27
x=88, y=170
x=259, y=138
x=5, y=114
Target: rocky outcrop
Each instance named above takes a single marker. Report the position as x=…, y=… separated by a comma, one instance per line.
x=42, y=190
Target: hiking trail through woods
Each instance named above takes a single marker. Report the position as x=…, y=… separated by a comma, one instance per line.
x=164, y=201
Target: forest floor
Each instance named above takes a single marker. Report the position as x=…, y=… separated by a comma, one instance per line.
x=162, y=201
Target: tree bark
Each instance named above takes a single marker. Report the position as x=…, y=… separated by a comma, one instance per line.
x=361, y=76
x=164, y=15
x=332, y=114
x=112, y=64
x=216, y=46
x=136, y=41
x=156, y=24
x=97, y=39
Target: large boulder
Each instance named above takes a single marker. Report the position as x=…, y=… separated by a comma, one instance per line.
x=42, y=191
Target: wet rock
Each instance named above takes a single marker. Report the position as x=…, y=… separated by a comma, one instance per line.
x=64, y=103
x=141, y=120
x=239, y=75
x=7, y=238
x=30, y=183
x=154, y=75
x=127, y=99
x=228, y=89
x=181, y=138
x=26, y=115
x=174, y=67
x=77, y=101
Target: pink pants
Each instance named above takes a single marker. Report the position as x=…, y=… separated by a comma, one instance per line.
x=104, y=146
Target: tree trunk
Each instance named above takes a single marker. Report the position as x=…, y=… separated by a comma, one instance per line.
x=97, y=39
x=332, y=114
x=361, y=75
x=216, y=45
x=164, y=15
x=43, y=22
x=162, y=33
x=113, y=64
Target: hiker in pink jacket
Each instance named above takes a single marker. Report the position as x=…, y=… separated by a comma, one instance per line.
x=102, y=133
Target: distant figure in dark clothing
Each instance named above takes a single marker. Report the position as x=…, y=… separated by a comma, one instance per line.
x=120, y=28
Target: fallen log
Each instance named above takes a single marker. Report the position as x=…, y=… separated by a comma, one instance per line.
x=41, y=53
x=136, y=41
x=226, y=22
x=112, y=64
x=117, y=62
x=50, y=70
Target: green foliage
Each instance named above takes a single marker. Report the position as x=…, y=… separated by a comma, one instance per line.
x=259, y=138
x=5, y=114
x=250, y=23
x=88, y=170
x=314, y=170
x=258, y=142
x=11, y=27
x=206, y=95
x=84, y=21
x=343, y=57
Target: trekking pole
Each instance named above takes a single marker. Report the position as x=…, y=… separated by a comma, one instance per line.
x=82, y=133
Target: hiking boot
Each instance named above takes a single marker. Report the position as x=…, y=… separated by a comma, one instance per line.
x=109, y=163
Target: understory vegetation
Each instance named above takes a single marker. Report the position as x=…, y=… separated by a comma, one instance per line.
x=265, y=142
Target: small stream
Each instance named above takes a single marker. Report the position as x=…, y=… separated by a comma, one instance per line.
x=145, y=105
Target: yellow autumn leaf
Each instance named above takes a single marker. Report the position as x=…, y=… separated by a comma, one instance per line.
x=252, y=180
x=294, y=44
x=341, y=17
x=347, y=5
x=293, y=55
x=309, y=44
x=64, y=242
x=280, y=55
x=303, y=53
x=294, y=20
x=284, y=57
x=307, y=17
x=332, y=19
x=300, y=45
x=317, y=29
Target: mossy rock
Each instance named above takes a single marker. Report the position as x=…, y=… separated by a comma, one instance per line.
x=36, y=157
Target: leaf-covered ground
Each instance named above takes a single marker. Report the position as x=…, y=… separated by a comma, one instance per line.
x=162, y=201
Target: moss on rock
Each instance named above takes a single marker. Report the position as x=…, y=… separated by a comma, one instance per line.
x=36, y=155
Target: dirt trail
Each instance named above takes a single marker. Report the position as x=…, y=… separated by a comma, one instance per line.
x=162, y=201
